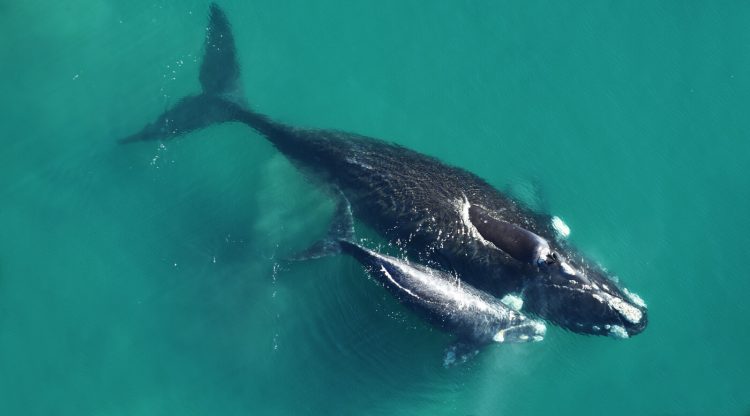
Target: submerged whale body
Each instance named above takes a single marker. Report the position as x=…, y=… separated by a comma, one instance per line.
x=440, y=215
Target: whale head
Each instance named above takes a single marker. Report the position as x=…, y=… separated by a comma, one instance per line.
x=583, y=299
x=577, y=296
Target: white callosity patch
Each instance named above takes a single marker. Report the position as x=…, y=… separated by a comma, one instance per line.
x=560, y=227
x=512, y=301
x=618, y=332
x=629, y=312
x=540, y=329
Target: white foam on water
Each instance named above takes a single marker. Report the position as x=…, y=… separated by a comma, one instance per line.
x=635, y=298
x=560, y=227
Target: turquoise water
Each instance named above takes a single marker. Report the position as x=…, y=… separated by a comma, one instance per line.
x=144, y=279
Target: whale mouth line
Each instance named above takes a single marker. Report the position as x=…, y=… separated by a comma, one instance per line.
x=532, y=331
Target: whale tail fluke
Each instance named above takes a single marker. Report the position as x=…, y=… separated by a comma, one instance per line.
x=222, y=98
x=220, y=69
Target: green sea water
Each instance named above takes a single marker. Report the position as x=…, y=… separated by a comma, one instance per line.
x=145, y=279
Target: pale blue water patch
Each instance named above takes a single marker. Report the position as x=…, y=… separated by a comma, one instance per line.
x=148, y=279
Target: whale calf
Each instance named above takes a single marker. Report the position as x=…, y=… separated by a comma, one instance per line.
x=440, y=215
x=460, y=309
x=474, y=317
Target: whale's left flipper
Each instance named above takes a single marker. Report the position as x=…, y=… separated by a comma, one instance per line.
x=222, y=98
x=341, y=228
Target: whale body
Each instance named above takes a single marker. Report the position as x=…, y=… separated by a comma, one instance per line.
x=440, y=215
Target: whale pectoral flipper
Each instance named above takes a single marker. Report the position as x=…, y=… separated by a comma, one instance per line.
x=519, y=243
x=341, y=228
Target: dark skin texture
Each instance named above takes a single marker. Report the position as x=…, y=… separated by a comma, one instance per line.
x=440, y=215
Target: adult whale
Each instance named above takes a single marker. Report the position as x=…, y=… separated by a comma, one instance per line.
x=439, y=214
